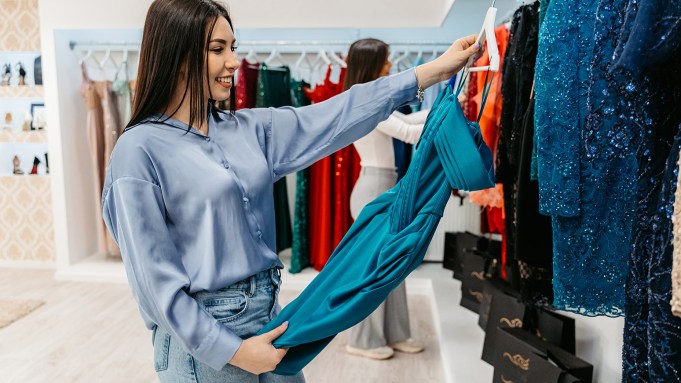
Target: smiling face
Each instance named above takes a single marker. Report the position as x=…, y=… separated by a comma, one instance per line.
x=221, y=61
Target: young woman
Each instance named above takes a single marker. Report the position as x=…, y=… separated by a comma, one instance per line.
x=387, y=328
x=188, y=191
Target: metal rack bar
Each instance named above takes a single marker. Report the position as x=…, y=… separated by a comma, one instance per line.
x=135, y=46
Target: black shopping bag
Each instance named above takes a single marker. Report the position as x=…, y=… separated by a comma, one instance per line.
x=522, y=357
x=505, y=311
x=455, y=245
x=488, y=292
x=552, y=327
x=450, y=259
x=472, y=281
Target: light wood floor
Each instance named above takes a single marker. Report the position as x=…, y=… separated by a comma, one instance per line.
x=89, y=332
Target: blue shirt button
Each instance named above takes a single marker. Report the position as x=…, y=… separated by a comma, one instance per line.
x=226, y=165
x=207, y=138
x=259, y=233
x=245, y=200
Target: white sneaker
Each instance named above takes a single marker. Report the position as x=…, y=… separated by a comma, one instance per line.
x=378, y=353
x=409, y=346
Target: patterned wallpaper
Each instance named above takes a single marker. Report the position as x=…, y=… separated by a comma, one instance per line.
x=26, y=224
x=20, y=26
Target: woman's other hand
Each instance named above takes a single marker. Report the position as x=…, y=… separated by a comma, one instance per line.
x=449, y=63
x=257, y=355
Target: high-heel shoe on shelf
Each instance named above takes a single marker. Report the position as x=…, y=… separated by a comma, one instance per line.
x=6, y=74
x=16, y=163
x=36, y=162
x=22, y=74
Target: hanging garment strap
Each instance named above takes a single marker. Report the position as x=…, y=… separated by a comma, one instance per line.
x=485, y=90
x=485, y=93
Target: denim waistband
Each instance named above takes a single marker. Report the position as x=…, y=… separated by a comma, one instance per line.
x=263, y=278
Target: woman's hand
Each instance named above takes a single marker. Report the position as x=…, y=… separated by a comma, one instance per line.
x=449, y=63
x=257, y=355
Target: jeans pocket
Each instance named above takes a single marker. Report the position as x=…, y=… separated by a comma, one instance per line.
x=161, y=350
x=226, y=305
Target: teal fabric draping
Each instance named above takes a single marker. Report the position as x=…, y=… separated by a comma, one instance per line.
x=392, y=233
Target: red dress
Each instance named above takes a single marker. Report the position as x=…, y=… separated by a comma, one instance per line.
x=247, y=84
x=331, y=182
x=489, y=126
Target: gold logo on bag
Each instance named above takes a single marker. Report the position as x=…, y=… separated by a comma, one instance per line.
x=523, y=364
x=504, y=380
x=476, y=294
x=515, y=323
x=479, y=275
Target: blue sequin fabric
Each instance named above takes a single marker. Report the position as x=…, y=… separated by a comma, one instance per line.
x=561, y=85
x=583, y=156
x=647, y=61
x=652, y=334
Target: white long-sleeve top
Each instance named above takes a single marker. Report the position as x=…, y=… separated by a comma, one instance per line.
x=376, y=148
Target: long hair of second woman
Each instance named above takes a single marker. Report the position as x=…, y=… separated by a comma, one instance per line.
x=365, y=59
x=176, y=32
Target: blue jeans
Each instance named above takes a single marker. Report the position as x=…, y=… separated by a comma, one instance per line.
x=244, y=308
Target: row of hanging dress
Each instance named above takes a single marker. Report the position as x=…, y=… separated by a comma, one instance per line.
x=607, y=131
x=491, y=200
x=321, y=215
x=530, y=240
x=259, y=86
x=331, y=182
x=105, y=102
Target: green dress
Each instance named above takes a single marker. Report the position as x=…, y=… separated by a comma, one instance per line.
x=300, y=250
x=274, y=91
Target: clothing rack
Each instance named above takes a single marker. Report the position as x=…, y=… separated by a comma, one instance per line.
x=105, y=45
x=292, y=46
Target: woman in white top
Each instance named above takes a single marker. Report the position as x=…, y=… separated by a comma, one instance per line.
x=387, y=328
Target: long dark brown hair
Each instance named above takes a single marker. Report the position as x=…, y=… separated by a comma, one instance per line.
x=365, y=60
x=176, y=32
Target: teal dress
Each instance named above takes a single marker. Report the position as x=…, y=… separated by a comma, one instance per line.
x=392, y=233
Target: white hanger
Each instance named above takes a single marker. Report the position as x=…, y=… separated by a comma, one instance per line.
x=337, y=59
x=419, y=55
x=275, y=55
x=252, y=57
x=487, y=33
x=404, y=56
x=88, y=55
x=123, y=67
x=321, y=58
x=107, y=58
x=303, y=59
x=304, y=64
x=433, y=56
